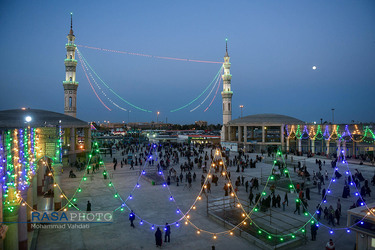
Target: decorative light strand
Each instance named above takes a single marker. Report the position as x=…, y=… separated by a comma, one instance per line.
x=110, y=89
x=217, y=80
x=182, y=107
x=149, y=56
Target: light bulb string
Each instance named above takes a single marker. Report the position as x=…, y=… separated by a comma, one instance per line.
x=327, y=135
x=235, y=198
x=370, y=211
x=213, y=87
x=146, y=55
x=109, y=88
x=80, y=59
x=173, y=199
x=312, y=216
x=98, y=86
x=218, y=86
x=188, y=104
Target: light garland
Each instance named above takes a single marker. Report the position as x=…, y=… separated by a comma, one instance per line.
x=149, y=56
x=186, y=105
x=110, y=89
x=79, y=56
x=98, y=86
x=214, y=96
x=217, y=80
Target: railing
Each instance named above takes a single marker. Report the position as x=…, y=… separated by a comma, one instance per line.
x=225, y=210
x=70, y=82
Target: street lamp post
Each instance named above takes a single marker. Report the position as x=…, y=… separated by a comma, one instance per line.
x=333, y=117
x=241, y=107
x=157, y=118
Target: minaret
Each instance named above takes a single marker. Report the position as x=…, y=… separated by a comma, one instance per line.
x=227, y=93
x=70, y=84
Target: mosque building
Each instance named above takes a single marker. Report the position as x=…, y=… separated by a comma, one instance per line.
x=267, y=132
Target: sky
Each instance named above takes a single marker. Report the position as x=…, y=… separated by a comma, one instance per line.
x=273, y=46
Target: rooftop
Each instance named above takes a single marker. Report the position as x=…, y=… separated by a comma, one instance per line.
x=266, y=119
x=15, y=118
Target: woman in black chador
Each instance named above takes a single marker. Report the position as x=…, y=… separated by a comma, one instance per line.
x=158, y=237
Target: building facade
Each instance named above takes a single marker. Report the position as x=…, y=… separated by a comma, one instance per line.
x=270, y=131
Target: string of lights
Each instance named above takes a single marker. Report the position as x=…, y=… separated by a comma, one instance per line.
x=109, y=88
x=186, y=105
x=91, y=84
x=149, y=56
x=367, y=136
x=21, y=144
x=213, y=97
x=98, y=86
x=217, y=80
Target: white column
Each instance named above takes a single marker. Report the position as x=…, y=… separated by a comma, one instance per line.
x=299, y=146
x=245, y=134
x=287, y=144
x=239, y=134
x=230, y=133
x=312, y=146
x=263, y=135
x=344, y=148
x=327, y=145
x=338, y=152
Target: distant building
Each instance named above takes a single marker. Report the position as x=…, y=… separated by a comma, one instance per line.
x=271, y=131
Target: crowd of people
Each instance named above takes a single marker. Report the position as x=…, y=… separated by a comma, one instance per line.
x=183, y=163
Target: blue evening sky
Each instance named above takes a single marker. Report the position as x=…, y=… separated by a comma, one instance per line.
x=273, y=46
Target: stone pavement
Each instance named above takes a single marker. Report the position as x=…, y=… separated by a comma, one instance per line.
x=152, y=204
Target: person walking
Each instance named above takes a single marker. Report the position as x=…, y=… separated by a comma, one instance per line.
x=208, y=187
x=251, y=197
x=132, y=218
x=339, y=205
x=88, y=207
x=307, y=193
x=319, y=186
x=298, y=204
x=286, y=199
x=167, y=230
x=337, y=216
x=314, y=228
x=158, y=237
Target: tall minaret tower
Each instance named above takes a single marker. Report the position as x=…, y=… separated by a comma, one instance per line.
x=70, y=84
x=227, y=93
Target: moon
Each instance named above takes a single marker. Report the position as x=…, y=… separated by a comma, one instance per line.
x=314, y=67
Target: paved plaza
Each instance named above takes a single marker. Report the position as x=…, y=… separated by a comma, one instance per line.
x=152, y=204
